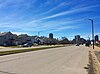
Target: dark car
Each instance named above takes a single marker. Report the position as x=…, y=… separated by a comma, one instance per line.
x=27, y=45
x=5, y=45
x=77, y=44
x=87, y=44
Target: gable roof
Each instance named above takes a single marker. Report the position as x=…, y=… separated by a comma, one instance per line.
x=4, y=33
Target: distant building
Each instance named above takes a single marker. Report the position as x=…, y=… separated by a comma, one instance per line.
x=51, y=36
x=73, y=41
x=96, y=38
x=77, y=39
x=82, y=40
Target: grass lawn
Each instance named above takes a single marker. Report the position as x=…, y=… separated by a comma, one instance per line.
x=98, y=45
x=97, y=53
x=15, y=46
x=25, y=50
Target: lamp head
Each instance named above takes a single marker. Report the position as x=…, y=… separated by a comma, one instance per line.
x=90, y=19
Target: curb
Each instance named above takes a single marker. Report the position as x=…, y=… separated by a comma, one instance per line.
x=94, y=67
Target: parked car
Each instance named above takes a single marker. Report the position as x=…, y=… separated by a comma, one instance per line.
x=87, y=44
x=27, y=45
x=77, y=44
x=5, y=45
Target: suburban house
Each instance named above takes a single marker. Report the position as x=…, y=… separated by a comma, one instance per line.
x=98, y=42
x=7, y=38
x=23, y=38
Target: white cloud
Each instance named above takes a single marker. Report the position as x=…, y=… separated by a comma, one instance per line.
x=64, y=27
x=56, y=7
x=56, y=24
x=4, y=3
x=70, y=12
x=97, y=34
x=7, y=3
x=78, y=10
x=37, y=25
x=18, y=33
x=87, y=35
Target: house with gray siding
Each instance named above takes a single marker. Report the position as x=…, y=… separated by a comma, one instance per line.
x=7, y=38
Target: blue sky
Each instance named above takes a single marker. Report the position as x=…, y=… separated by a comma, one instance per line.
x=60, y=17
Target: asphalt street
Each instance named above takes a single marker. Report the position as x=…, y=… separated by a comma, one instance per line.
x=62, y=60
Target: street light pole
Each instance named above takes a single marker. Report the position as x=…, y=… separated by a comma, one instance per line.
x=39, y=33
x=92, y=31
x=38, y=36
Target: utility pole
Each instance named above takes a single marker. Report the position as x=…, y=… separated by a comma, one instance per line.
x=92, y=31
x=38, y=33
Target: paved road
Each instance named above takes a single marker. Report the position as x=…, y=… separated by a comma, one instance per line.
x=63, y=60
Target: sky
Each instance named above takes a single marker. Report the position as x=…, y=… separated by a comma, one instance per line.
x=60, y=17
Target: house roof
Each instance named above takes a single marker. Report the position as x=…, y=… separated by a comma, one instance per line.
x=98, y=41
x=4, y=33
